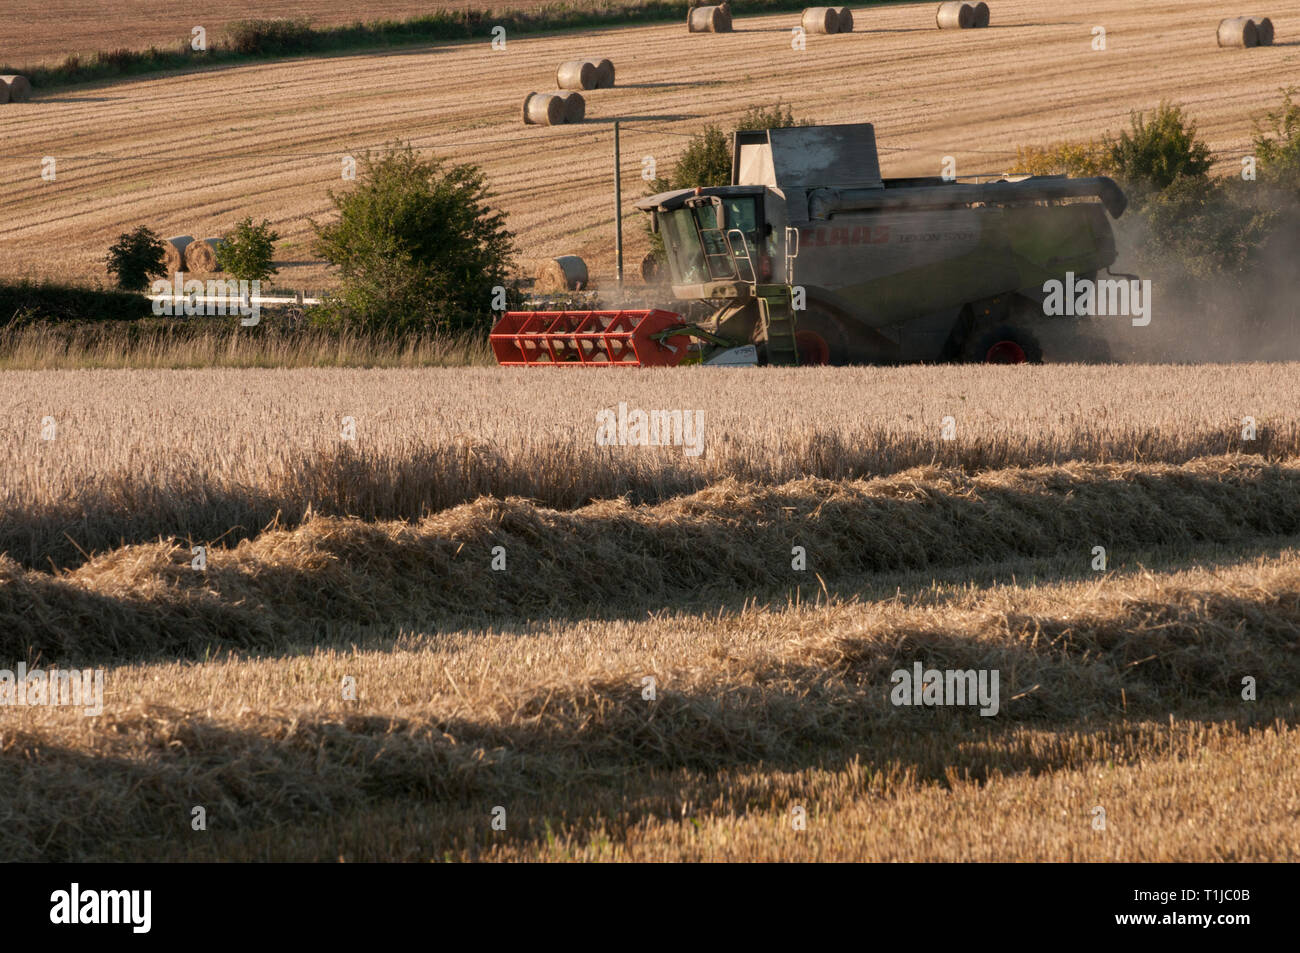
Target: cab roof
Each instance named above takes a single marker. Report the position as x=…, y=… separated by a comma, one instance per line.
x=671, y=201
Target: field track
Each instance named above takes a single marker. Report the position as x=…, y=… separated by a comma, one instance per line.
x=193, y=153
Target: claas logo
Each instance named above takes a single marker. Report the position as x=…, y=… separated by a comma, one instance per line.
x=845, y=235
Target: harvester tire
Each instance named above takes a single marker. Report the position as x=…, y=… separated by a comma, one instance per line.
x=1005, y=345
x=813, y=348
x=652, y=270
x=825, y=337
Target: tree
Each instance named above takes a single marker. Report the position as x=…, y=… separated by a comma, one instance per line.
x=1277, y=144
x=705, y=161
x=135, y=258
x=246, y=252
x=416, y=244
x=707, y=157
x=1206, y=228
x=1153, y=153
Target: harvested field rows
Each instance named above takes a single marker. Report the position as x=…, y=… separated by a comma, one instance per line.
x=757, y=710
x=219, y=454
x=726, y=543
x=522, y=685
x=268, y=139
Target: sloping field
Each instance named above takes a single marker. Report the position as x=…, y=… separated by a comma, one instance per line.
x=192, y=154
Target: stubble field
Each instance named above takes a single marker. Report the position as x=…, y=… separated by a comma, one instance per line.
x=194, y=153
x=523, y=685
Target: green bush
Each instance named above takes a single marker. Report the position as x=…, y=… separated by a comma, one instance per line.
x=247, y=251
x=135, y=258
x=1148, y=157
x=1207, y=228
x=1065, y=158
x=1277, y=145
x=416, y=244
x=1194, y=229
x=26, y=302
x=705, y=161
x=764, y=117
x=1154, y=152
x=1200, y=227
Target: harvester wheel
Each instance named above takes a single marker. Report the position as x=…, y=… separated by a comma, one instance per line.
x=1005, y=345
x=827, y=338
x=813, y=349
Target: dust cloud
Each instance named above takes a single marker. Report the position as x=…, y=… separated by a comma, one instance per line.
x=1255, y=317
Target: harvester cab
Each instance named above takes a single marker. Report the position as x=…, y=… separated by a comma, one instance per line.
x=723, y=248
x=811, y=256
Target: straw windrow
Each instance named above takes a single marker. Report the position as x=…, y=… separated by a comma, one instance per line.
x=1092, y=671
x=612, y=556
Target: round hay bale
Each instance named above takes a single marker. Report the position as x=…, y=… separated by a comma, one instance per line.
x=1239, y=32
x=651, y=268
x=201, y=256
x=174, y=252
x=543, y=109
x=846, y=20
x=19, y=89
x=575, y=107
x=577, y=74
x=709, y=20
x=1264, y=30
x=820, y=20
x=606, y=68
x=955, y=16
x=566, y=273
x=981, y=15
x=4, y=94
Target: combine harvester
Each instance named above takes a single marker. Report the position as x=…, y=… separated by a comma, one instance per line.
x=810, y=257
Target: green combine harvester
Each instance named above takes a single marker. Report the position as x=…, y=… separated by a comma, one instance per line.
x=809, y=256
